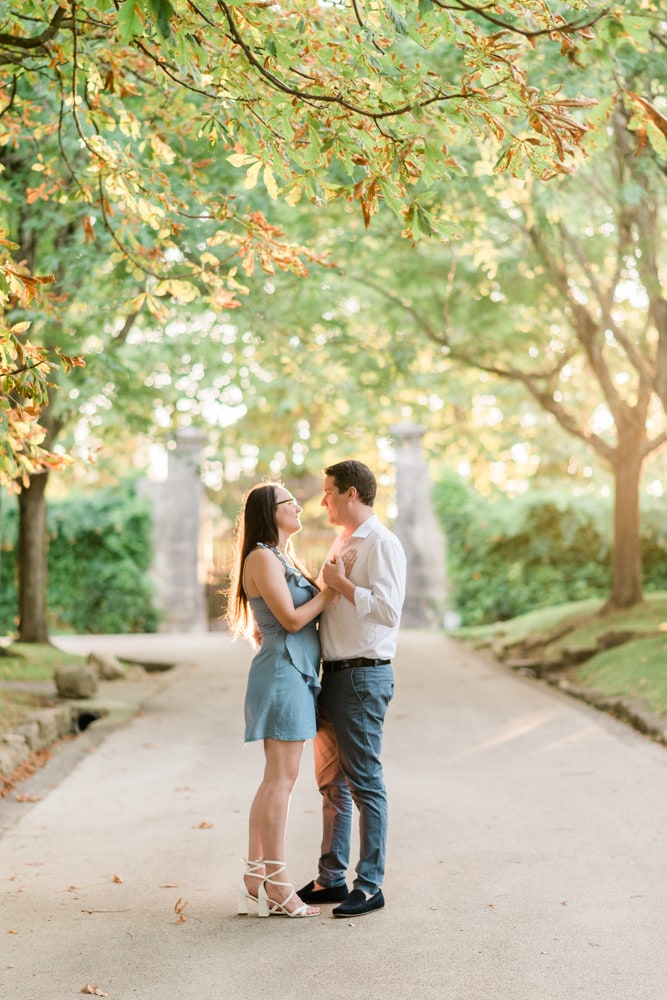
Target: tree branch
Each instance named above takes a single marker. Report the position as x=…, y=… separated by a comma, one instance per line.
x=552, y=406
x=566, y=28
x=654, y=444
x=26, y=368
x=605, y=301
x=585, y=325
x=529, y=380
x=311, y=98
x=37, y=41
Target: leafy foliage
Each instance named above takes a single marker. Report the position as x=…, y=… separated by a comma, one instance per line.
x=339, y=99
x=141, y=142
x=507, y=557
x=554, y=292
x=100, y=555
x=654, y=545
x=24, y=377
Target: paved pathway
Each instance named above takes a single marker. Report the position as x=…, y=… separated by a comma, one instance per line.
x=527, y=855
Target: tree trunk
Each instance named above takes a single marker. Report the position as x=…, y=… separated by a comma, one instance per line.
x=627, y=559
x=33, y=544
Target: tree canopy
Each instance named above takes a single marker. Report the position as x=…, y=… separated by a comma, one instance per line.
x=135, y=131
x=149, y=151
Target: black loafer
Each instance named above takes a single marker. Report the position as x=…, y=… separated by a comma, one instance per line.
x=356, y=904
x=331, y=894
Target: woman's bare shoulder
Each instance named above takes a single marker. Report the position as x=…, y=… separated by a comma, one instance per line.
x=262, y=554
x=263, y=559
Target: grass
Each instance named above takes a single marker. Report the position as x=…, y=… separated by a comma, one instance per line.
x=26, y=661
x=15, y=705
x=26, y=680
x=635, y=669
x=530, y=627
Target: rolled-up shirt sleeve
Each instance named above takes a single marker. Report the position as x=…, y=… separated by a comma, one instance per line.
x=382, y=602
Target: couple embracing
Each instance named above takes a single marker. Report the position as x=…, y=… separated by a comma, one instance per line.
x=347, y=621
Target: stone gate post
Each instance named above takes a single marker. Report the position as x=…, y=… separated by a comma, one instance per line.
x=177, y=511
x=419, y=532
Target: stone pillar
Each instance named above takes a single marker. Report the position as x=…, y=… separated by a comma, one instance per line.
x=419, y=532
x=177, y=506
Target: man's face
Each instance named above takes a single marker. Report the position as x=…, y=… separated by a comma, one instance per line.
x=334, y=501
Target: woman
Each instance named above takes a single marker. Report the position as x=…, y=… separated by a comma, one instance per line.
x=270, y=594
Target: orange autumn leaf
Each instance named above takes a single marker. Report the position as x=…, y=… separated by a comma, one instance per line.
x=88, y=229
x=651, y=112
x=179, y=906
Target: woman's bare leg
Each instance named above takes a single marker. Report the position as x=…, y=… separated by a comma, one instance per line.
x=269, y=811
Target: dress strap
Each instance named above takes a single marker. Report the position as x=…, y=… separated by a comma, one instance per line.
x=272, y=548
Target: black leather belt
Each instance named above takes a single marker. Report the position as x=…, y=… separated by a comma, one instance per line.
x=329, y=666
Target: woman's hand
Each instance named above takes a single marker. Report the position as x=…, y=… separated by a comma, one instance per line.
x=333, y=572
x=349, y=559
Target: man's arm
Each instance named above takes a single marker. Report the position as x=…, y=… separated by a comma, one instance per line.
x=381, y=602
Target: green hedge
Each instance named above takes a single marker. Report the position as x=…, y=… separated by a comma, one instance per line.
x=100, y=552
x=510, y=556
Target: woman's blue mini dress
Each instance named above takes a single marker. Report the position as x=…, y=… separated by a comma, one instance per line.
x=283, y=682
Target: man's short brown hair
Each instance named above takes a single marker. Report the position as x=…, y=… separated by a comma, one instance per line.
x=353, y=473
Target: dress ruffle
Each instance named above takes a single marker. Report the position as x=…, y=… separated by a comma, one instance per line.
x=275, y=706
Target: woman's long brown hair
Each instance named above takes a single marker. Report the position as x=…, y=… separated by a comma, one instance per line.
x=255, y=523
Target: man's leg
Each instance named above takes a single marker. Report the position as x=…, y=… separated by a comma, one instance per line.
x=358, y=711
x=336, y=800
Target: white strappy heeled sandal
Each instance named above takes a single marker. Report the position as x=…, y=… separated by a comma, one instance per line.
x=255, y=869
x=267, y=907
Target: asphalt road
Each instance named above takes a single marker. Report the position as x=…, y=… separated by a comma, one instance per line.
x=527, y=852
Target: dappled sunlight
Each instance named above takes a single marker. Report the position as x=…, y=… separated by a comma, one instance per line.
x=581, y=734
x=512, y=731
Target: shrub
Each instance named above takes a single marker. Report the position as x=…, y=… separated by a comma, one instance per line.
x=654, y=545
x=509, y=556
x=100, y=552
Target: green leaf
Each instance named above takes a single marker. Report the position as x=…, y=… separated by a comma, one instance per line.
x=130, y=24
x=163, y=12
x=399, y=23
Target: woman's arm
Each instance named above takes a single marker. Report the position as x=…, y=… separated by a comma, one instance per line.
x=264, y=577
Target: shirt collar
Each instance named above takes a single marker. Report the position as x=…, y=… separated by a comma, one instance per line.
x=365, y=528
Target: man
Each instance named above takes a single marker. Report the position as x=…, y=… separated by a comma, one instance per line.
x=358, y=634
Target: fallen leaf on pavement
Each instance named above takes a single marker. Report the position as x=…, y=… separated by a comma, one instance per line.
x=93, y=990
x=179, y=906
x=24, y=771
x=204, y=826
x=118, y=880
